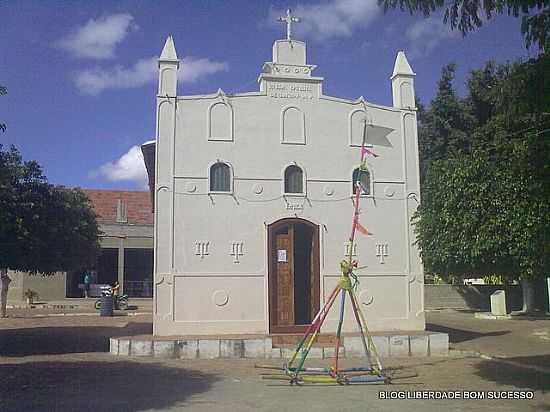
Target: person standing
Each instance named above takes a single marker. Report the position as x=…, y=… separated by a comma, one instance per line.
x=87, y=283
x=116, y=288
x=4, y=283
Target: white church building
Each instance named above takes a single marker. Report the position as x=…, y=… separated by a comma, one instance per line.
x=253, y=202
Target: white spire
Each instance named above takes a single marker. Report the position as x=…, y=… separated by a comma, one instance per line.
x=168, y=67
x=169, y=50
x=402, y=66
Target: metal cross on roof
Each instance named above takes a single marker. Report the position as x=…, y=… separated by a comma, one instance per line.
x=289, y=19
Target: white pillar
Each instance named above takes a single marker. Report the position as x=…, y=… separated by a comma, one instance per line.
x=120, y=276
x=402, y=81
x=168, y=69
x=164, y=179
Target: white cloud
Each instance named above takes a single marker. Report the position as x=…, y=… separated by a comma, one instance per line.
x=330, y=19
x=192, y=69
x=97, y=39
x=129, y=167
x=94, y=81
x=427, y=34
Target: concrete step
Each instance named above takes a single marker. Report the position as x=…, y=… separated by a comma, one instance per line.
x=291, y=340
x=393, y=344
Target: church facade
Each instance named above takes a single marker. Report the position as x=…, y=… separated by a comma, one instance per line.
x=253, y=202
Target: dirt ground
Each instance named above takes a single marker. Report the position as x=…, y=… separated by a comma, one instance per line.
x=58, y=363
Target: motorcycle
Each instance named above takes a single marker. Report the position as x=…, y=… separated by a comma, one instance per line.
x=120, y=301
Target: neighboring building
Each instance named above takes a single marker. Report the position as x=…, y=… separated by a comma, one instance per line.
x=126, y=222
x=253, y=202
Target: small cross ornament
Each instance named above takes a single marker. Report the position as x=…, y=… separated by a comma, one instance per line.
x=350, y=250
x=201, y=249
x=236, y=251
x=382, y=252
x=289, y=19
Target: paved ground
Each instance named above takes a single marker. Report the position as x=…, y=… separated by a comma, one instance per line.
x=57, y=363
x=76, y=305
x=517, y=339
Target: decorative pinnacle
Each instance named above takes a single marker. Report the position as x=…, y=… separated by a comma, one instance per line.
x=169, y=50
x=402, y=66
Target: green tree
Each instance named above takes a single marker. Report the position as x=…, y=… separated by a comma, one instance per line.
x=455, y=226
x=3, y=91
x=468, y=15
x=483, y=91
x=444, y=128
x=486, y=209
x=43, y=228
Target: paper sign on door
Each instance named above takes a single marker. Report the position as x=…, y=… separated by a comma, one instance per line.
x=281, y=255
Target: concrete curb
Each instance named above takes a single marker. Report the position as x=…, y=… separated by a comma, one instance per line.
x=489, y=315
x=77, y=305
x=432, y=344
x=117, y=314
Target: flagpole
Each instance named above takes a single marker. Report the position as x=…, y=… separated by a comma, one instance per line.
x=358, y=189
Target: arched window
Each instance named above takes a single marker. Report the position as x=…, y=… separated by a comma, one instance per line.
x=220, y=178
x=294, y=180
x=363, y=177
x=220, y=122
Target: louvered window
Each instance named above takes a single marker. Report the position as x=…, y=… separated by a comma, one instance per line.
x=220, y=178
x=294, y=180
x=363, y=177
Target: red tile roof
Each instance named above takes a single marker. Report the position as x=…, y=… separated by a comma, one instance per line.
x=105, y=205
x=148, y=150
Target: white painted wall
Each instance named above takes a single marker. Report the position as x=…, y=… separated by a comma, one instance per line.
x=197, y=293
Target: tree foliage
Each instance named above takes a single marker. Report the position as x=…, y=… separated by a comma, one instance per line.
x=43, y=228
x=486, y=203
x=468, y=15
x=3, y=91
x=444, y=129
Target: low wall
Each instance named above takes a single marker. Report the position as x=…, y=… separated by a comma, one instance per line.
x=477, y=297
x=48, y=287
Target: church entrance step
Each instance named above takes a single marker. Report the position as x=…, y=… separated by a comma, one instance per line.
x=286, y=340
x=391, y=344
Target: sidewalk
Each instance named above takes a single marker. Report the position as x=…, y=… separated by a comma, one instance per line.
x=524, y=341
x=73, y=307
x=76, y=302
x=63, y=358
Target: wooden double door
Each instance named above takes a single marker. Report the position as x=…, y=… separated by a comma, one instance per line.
x=293, y=251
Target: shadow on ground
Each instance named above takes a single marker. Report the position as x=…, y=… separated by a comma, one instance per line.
x=461, y=335
x=70, y=339
x=97, y=386
x=522, y=378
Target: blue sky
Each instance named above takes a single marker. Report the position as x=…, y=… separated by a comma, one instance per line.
x=81, y=75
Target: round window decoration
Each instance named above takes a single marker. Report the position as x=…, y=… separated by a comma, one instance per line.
x=220, y=298
x=389, y=191
x=258, y=189
x=365, y=298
